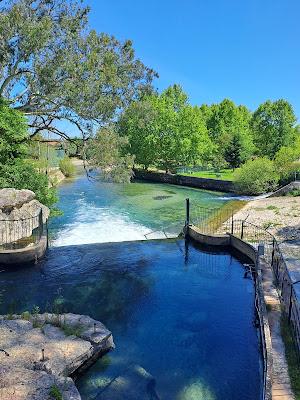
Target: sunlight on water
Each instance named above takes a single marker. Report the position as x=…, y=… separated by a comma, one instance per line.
x=103, y=212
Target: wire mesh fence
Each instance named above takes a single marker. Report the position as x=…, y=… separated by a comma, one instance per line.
x=20, y=233
x=211, y=221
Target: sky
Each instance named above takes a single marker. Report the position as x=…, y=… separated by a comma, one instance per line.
x=245, y=50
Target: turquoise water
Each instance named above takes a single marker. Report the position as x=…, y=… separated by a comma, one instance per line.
x=181, y=316
x=100, y=212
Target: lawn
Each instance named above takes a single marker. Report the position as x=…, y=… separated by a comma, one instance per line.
x=224, y=174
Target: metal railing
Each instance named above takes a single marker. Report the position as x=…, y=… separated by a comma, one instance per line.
x=212, y=221
x=20, y=233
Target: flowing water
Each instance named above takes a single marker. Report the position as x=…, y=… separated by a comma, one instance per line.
x=96, y=212
x=181, y=316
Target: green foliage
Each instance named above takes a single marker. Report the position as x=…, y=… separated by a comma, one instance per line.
x=107, y=151
x=272, y=124
x=165, y=130
x=225, y=120
x=13, y=133
x=67, y=167
x=233, y=152
x=257, y=176
x=286, y=161
x=22, y=175
x=55, y=393
x=52, y=66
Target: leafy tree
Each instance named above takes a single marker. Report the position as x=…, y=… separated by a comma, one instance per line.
x=138, y=124
x=272, y=124
x=233, y=152
x=107, y=151
x=53, y=68
x=13, y=134
x=164, y=130
x=225, y=118
x=257, y=176
x=15, y=170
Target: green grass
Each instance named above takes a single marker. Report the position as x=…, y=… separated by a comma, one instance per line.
x=224, y=174
x=291, y=356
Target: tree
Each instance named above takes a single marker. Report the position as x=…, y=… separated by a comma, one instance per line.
x=53, y=68
x=165, y=131
x=13, y=134
x=137, y=123
x=233, y=152
x=273, y=126
x=15, y=170
x=223, y=120
x=107, y=151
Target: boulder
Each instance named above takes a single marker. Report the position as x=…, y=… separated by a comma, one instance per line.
x=19, y=215
x=40, y=353
x=12, y=198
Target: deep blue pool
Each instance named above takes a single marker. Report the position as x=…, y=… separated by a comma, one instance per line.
x=182, y=314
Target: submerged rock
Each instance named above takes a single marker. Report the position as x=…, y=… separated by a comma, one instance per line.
x=135, y=383
x=38, y=355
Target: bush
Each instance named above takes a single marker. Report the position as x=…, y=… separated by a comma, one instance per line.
x=66, y=167
x=22, y=175
x=256, y=177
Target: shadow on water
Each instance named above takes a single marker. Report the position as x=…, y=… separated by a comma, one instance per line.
x=181, y=316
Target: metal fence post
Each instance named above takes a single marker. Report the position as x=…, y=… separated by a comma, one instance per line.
x=40, y=224
x=291, y=302
x=187, y=212
x=273, y=252
x=242, y=231
x=232, y=224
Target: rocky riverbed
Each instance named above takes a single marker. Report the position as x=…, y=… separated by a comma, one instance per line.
x=39, y=354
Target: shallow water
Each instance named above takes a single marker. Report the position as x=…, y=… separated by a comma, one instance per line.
x=96, y=212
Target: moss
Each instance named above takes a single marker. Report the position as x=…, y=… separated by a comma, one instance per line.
x=55, y=393
x=291, y=356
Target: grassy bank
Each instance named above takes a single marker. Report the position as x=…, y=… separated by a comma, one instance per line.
x=224, y=174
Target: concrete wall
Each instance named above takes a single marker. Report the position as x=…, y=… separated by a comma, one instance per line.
x=285, y=189
x=201, y=183
x=250, y=252
x=210, y=240
x=26, y=255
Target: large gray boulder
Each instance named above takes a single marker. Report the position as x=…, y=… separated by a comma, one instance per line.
x=12, y=198
x=40, y=353
x=19, y=214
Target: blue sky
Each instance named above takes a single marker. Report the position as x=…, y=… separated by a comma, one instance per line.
x=245, y=50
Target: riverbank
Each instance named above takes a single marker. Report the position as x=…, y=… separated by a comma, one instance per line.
x=188, y=181
x=279, y=215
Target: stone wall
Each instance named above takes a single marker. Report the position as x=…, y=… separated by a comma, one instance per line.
x=286, y=189
x=191, y=181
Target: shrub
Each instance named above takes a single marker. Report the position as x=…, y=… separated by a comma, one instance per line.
x=22, y=175
x=256, y=177
x=66, y=167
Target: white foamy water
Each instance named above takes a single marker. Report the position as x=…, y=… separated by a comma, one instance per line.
x=101, y=225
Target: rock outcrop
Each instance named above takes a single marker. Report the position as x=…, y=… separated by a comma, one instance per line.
x=40, y=353
x=19, y=214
